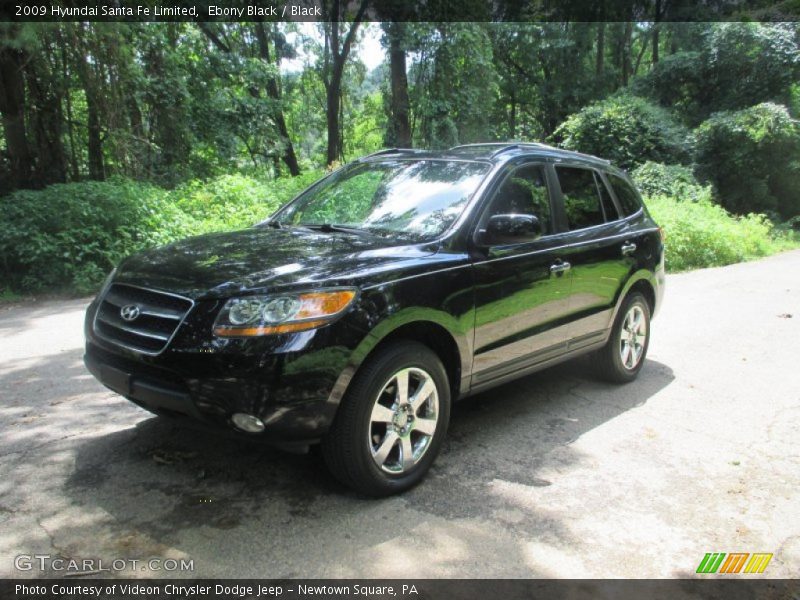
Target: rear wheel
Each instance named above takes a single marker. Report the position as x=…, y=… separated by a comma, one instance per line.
x=621, y=359
x=392, y=421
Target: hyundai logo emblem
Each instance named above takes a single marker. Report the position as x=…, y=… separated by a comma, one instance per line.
x=129, y=312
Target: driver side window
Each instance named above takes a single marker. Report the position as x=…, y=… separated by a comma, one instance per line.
x=524, y=192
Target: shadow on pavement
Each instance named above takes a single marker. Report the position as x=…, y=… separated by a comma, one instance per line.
x=218, y=500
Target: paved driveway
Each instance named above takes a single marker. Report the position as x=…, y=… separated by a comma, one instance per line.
x=555, y=475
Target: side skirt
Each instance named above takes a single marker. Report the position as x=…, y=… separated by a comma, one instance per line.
x=528, y=370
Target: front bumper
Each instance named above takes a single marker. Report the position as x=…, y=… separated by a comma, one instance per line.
x=286, y=381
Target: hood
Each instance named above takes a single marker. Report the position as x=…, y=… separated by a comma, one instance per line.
x=260, y=258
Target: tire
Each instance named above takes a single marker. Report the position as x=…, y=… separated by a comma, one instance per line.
x=623, y=356
x=367, y=447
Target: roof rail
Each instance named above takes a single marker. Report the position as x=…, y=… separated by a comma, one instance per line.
x=478, y=145
x=391, y=151
x=379, y=152
x=522, y=145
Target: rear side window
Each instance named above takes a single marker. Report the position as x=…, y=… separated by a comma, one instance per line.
x=582, y=201
x=626, y=195
x=611, y=212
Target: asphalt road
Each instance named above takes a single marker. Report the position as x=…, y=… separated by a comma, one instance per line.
x=555, y=475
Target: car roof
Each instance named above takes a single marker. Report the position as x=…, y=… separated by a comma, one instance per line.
x=493, y=152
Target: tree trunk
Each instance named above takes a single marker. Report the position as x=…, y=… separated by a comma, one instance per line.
x=96, y=167
x=46, y=90
x=94, y=130
x=641, y=54
x=656, y=28
x=12, y=107
x=334, y=149
x=626, y=52
x=601, y=47
x=401, y=128
x=274, y=92
x=333, y=83
x=512, y=117
x=46, y=120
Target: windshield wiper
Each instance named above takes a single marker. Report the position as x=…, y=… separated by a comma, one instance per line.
x=332, y=228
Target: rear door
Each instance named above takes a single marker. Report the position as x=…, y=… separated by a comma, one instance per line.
x=599, y=251
x=522, y=290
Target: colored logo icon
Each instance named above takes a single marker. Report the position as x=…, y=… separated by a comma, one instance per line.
x=736, y=562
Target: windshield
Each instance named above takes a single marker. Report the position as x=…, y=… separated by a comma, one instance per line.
x=421, y=198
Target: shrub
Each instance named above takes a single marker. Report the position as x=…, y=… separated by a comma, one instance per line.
x=676, y=181
x=738, y=65
x=235, y=201
x=67, y=237
x=752, y=158
x=703, y=234
x=626, y=130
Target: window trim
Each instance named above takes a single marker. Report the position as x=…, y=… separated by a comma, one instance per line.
x=639, y=199
x=563, y=208
x=491, y=194
x=601, y=175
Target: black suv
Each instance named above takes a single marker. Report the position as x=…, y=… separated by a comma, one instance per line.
x=361, y=310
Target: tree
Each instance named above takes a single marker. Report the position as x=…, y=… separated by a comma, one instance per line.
x=274, y=92
x=399, y=133
x=627, y=130
x=752, y=158
x=725, y=66
x=272, y=84
x=12, y=107
x=338, y=42
x=83, y=44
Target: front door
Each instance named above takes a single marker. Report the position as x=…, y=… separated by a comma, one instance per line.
x=522, y=290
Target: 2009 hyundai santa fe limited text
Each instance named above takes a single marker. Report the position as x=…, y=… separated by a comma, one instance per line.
x=359, y=312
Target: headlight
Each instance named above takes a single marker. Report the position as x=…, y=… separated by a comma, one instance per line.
x=286, y=313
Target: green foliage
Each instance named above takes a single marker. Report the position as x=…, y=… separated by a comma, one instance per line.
x=703, y=234
x=676, y=181
x=626, y=130
x=736, y=65
x=348, y=202
x=234, y=201
x=69, y=236
x=453, y=85
x=752, y=158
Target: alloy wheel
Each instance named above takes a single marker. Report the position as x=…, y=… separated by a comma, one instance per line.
x=403, y=420
x=632, y=337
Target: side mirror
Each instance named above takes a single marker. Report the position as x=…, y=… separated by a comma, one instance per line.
x=510, y=229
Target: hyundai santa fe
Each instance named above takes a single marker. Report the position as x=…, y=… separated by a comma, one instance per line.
x=360, y=311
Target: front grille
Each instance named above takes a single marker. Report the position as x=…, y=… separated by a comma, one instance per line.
x=160, y=315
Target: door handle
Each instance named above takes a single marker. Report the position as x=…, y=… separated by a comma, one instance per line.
x=628, y=248
x=560, y=267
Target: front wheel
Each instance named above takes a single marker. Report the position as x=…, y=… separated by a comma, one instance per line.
x=621, y=359
x=392, y=421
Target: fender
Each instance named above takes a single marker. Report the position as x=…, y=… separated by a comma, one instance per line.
x=641, y=275
x=458, y=329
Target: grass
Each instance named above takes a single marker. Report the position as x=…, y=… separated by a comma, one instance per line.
x=702, y=234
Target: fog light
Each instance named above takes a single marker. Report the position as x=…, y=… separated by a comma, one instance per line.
x=248, y=423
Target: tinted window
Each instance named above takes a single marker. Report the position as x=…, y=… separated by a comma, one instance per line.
x=605, y=197
x=581, y=197
x=524, y=192
x=626, y=195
